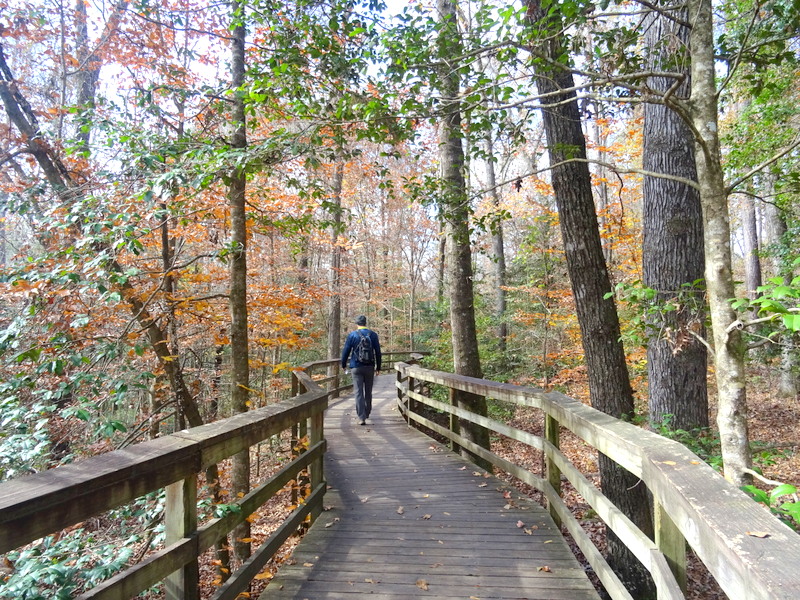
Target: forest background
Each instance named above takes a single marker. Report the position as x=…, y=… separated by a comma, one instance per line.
x=197, y=198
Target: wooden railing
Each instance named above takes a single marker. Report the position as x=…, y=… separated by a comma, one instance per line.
x=751, y=554
x=37, y=505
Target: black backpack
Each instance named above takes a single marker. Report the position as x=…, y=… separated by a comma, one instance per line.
x=363, y=351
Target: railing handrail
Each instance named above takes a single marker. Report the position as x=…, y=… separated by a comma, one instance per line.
x=749, y=552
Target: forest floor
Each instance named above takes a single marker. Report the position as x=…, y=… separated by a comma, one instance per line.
x=774, y=427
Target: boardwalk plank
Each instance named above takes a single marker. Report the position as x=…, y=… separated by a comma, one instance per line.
x=459, y=533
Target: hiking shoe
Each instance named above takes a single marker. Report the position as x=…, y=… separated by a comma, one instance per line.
x=362, y=422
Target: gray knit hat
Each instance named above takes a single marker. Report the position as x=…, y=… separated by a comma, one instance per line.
x=361, y=320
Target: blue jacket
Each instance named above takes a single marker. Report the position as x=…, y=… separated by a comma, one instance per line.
x=352, y=341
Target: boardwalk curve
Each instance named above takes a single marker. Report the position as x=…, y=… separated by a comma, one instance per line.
x=408, y=519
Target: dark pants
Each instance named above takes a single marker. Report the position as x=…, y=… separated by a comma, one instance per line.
x=363, y=378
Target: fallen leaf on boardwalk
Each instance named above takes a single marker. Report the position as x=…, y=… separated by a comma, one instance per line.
x=369, y=581
x=245, y=540
x=441, y=542
x=336, y=520
x=487, y=475
x=507, y=495
x=695, y=462
x=364, y=499
x=476, y=473
x=548, y=541
x=546, y=569
x=427, y=496
x=474, y=598
x=446, y=513
x=436, y=565
x=422, y=584
x=758, y=534
x=400, y=510
x=426, y=517
x=508, y=506
x=520, y=524
x=308, y=564
x=483, y=485
x=464, y=468
x=325, y=508
x=528, y=531
x=671, y=463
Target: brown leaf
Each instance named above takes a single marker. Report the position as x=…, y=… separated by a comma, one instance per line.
x=483, y=485
x=758, y=534
x=400, y=510
x=308, y=564
x=422, y=584
x=520, y=524
x=426, y=517
x=507, y=495
x=545, y=568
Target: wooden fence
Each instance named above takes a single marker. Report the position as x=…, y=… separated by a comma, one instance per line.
x=37, y=505
x=750, y=553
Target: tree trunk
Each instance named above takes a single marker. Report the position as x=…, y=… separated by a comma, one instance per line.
x=335, y=275
x=672, y=252
x=729, y=347
x=609, y=385
x=240, y=360
x=752, y=260
x=498, y=254
x=455, y=209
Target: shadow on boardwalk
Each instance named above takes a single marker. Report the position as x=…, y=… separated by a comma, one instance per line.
x=406, y=519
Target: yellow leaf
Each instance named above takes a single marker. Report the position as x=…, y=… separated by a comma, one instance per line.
x=422, y=584
x=264, y=575
x=671, y=463
x=245, y=540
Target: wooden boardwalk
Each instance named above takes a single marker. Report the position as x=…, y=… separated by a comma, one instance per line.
x=408, y=519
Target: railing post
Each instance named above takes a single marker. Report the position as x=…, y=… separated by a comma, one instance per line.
x=455, y=424
x=411, y=406
x=551, y=434
x=333, y=385
x=316, y=434
x=671, y=543
x=180, y=521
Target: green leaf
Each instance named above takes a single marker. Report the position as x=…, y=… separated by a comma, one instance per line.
x=782, y=490
x=792, y=322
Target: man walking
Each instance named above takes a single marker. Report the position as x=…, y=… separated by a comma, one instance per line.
x=363, y=348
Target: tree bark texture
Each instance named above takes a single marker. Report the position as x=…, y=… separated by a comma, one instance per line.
x=240, y=358
x=672, y=253
x=729, y=347
x=609, y=385
x=455, y=209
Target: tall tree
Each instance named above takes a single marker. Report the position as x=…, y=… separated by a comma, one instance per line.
x=454, y=204
x=237, y=187
x=672, y=252
x=609, y=385
x=729, y=345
